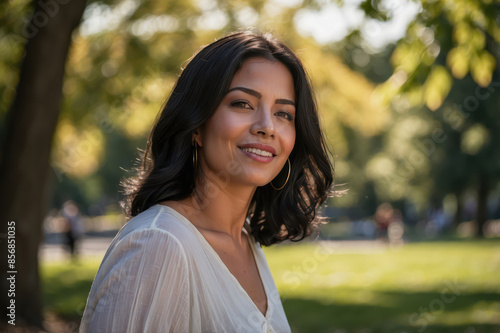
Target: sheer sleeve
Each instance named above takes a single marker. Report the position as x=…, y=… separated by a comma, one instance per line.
x=141, y=286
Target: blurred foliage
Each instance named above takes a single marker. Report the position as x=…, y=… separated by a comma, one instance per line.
x=447, y=61
x=443, y=92
x=455, y=31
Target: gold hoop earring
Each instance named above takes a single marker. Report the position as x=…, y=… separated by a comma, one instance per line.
x=195, y=156
x=288, y=176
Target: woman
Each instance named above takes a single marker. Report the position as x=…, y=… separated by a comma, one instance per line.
x=236, y=160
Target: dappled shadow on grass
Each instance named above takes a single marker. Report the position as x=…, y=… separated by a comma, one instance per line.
x=65, y=290
x=398, y=312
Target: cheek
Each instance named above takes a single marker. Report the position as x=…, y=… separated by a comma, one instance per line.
x=223, y=129
x=227, y=124
x=288, y=137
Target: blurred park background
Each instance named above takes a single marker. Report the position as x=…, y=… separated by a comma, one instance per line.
x=409, y=93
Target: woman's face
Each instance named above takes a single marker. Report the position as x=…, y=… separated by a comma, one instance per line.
x=249, y=138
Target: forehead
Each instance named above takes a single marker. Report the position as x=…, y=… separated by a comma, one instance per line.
x=265, y=76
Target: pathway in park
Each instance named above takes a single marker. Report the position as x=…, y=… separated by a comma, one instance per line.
x=95, y=245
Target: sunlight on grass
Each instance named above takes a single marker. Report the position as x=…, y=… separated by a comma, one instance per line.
x=431, y=287
x=66, y=286
x=420, y=286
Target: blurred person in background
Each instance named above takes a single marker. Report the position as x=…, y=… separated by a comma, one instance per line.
x=73, y=229
x=385, y=216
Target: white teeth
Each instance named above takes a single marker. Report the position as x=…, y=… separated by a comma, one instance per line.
x=258, y=152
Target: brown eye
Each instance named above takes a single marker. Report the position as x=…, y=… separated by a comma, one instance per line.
x=285, y=115
x=241, y=104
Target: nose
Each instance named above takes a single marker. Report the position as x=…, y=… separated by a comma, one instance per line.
x=263, y=124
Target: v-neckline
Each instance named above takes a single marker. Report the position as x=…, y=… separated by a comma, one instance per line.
x=218, y=258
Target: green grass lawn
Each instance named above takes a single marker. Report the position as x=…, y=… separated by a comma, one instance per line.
x=449, y=286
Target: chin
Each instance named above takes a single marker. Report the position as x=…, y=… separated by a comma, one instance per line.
x=259, y=182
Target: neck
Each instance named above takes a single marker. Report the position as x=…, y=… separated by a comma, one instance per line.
x=221, y=205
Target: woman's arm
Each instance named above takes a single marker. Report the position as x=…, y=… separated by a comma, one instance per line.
x=141, y=286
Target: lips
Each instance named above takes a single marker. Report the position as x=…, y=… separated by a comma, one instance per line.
x=258, y=149
x=258, y=152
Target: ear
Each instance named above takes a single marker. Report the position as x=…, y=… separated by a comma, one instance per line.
x=197, y=137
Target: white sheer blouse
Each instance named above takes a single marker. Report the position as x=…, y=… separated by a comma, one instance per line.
x=161, y=275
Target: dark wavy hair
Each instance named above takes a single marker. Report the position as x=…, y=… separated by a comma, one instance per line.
x=166, y=171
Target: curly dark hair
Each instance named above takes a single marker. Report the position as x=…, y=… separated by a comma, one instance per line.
x=167, y=173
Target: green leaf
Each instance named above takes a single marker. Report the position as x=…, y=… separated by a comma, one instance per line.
x=458, y=62
x=436, y=87
x=482, y=67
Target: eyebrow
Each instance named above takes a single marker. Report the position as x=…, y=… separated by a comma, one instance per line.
x=259, y=95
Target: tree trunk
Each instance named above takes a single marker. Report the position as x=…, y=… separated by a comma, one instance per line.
x=482, y=205
x=25, y=170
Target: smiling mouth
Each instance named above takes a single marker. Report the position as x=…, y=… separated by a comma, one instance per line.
x=259, y=152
